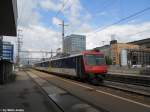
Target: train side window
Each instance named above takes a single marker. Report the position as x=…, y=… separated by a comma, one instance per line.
x=60, y=61
x=51, y=63
x=57, y=63
x=63, y=63
x=74, y=62
x=54, y=63
x=68, y=63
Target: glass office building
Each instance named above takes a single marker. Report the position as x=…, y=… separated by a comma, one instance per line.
x=74, y=44
x=7, y=51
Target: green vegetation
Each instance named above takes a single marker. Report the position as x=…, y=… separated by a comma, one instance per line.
x=108, y=60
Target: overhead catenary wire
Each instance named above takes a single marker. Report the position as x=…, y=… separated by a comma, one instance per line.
x=60, y=10
x=138, y=32
x=63, y=5
x=21, y=11
x=24, y=6
x=123, y=19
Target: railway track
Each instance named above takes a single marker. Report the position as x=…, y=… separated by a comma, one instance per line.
x=132, y=88
x=99, y=96
x=138, y=80
x=141, y=90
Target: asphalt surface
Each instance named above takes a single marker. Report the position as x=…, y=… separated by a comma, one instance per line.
x=105, y=101
x=24, y=95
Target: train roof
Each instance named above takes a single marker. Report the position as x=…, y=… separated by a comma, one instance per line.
x=42, y=61
x=68, y=56
x=60, y=58
x=80, y=54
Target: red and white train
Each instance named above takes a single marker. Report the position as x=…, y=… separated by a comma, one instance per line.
x=88, y=65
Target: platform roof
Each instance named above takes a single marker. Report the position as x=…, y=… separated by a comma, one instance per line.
x=145, y=42
x=8, y=17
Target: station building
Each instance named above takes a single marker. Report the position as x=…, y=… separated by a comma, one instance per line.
x=115, y=51
x=118, y=52
x=8, y=17
x=140, y=56
x=135, y=53
x=73, y=44
x=8, y=27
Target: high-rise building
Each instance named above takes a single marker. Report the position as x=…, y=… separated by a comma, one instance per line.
x=73, y=44
x=6, y=51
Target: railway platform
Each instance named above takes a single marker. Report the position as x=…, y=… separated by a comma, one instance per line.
x=24, y=95
x=30, y=93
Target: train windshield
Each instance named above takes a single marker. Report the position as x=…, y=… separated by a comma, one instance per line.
x=94, y=59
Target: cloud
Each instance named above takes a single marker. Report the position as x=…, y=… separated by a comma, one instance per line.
x=76, y=14
x=35, y=36
x=52, y=5
x=27, y=13
x=38, y=37
x=41, y=38
x=102, y=13
x=123, y=33
x=84, y=28
x=56, y=21
x=73, y=11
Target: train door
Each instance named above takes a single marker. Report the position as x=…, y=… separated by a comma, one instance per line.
x=80, y=67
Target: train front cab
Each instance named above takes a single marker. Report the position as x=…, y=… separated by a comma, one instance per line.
x=94, y=65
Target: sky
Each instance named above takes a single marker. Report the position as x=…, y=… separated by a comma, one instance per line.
x=39, y=21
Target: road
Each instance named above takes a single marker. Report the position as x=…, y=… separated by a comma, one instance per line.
x=105, y=99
